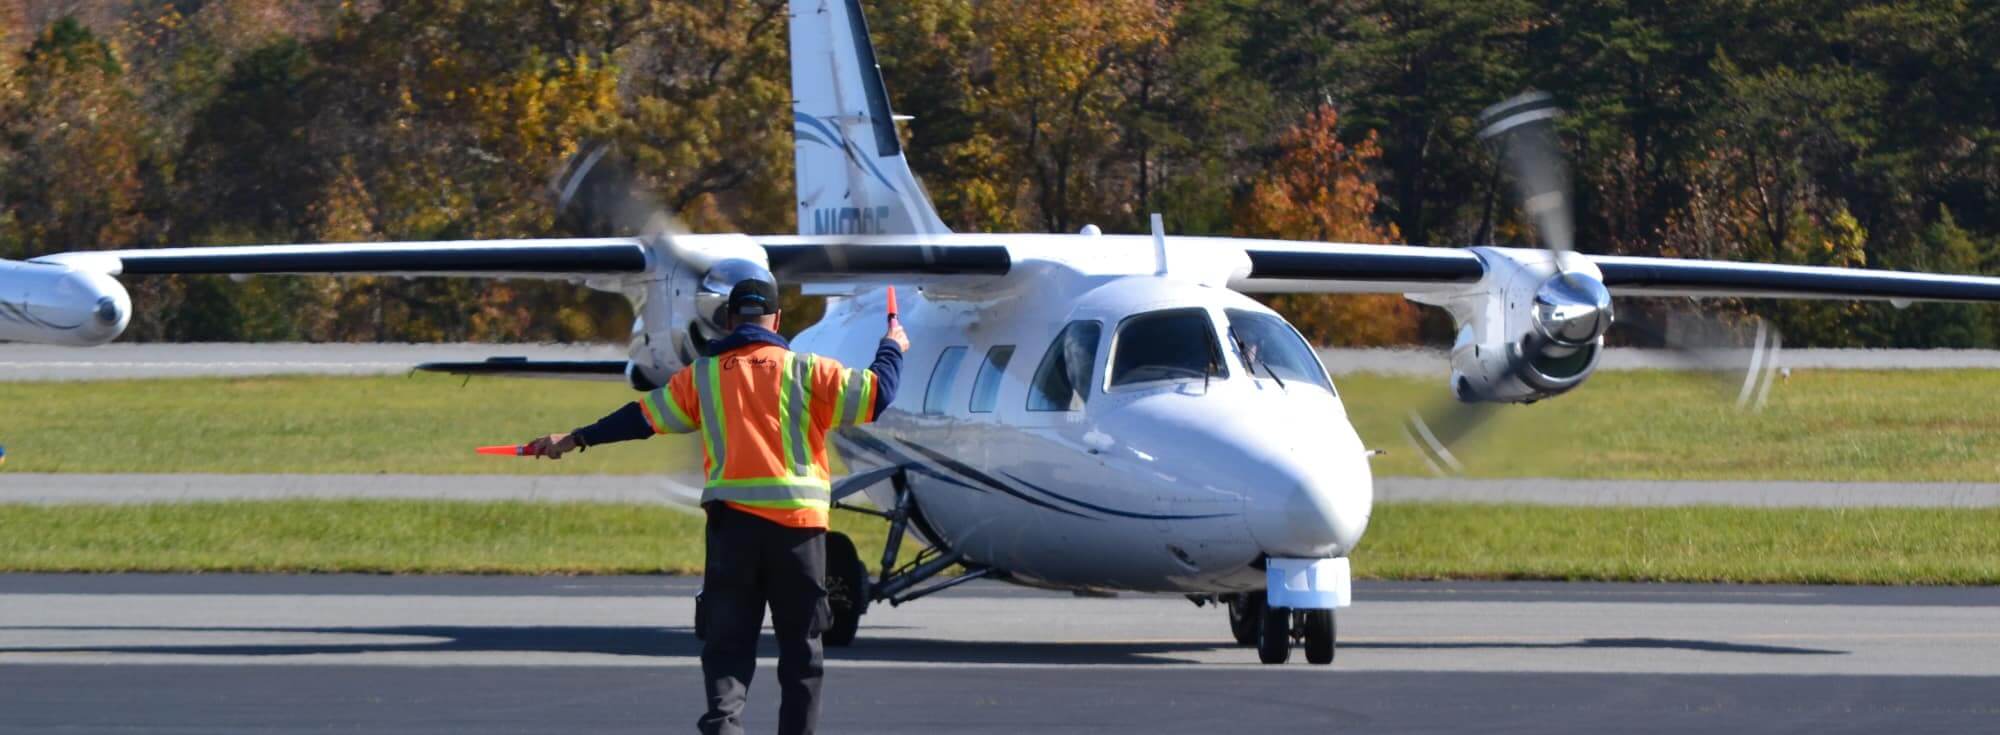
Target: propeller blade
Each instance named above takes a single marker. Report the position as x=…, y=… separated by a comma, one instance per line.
x=599, y=194
x=1435, y=431
x=1745, y=357
x=1523, y=132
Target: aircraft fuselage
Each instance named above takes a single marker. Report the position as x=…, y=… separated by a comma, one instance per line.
x=1156, y=481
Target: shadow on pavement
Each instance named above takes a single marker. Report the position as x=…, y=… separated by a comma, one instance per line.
x=679, y=641
x=1679, y=644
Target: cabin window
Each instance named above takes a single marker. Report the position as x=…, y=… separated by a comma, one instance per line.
x=986, y=387
x=1174, y=344
x=1267, y=345
x=1062, y=383
x=938, y=394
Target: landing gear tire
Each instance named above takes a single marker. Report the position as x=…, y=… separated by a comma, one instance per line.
x=1274, y=641
x=1246, y=617
x=1319, y=636
x=846, y=590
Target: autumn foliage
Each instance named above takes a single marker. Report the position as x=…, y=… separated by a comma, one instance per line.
x=1320, y=189
x=1829, y=132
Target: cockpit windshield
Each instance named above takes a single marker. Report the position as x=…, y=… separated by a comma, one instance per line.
x=1175, y=344
x=1267, y=345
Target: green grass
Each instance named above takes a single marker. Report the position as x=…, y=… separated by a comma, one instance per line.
x=1406, y=541
x=423, y=424
x=1912, y=426
x=1820, y=425
x=1688, y=544
x=365, y=536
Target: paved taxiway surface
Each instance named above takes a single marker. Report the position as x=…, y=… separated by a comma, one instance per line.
x=221, y=653
x=17, y=487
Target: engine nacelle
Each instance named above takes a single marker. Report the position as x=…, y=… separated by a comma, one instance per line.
x=1529, y=330
x=678, y=310
x=55, y=304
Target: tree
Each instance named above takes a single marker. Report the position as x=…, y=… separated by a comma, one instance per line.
x=1418, y=71
x=1197, y=118
x=1319, y=190
x=74, y=152
x=1057, y=90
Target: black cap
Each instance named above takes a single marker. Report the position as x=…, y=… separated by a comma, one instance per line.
x=753, y=297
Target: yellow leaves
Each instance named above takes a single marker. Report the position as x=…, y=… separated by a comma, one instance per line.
x=345, y=211
x=1059, y=84
x=540, y=111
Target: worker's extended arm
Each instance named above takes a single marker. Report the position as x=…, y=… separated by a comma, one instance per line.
x=658, y=412
x=888, y=368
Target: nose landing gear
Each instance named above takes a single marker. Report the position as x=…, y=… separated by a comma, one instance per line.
x=1282, y=627
x=1295, y=608
x=1274, y=630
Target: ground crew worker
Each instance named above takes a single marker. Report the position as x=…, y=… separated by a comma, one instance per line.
x=763, y=412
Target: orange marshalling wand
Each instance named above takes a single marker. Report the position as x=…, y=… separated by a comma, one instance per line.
x=505, y=450
x=892, y=304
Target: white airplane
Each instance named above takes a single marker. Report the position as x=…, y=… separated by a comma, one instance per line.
x=1085, y=411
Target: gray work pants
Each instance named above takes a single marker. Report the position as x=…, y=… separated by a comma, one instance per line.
x=753, y=562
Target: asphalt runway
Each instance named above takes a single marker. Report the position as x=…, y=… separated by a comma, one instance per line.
x=229, y=654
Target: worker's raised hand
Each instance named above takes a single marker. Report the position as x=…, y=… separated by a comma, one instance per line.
x=897, y=336
x=553, y=446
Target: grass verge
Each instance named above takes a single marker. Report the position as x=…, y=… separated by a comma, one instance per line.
x=1932, y=426
x=1406, y=541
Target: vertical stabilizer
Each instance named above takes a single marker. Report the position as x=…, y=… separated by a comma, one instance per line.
x=851, y=174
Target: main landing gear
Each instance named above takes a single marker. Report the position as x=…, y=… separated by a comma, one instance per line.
x=1274, y=630
x=846, y=589
x=850, y=592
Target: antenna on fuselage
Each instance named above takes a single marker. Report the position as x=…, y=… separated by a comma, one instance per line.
x=1160, y=242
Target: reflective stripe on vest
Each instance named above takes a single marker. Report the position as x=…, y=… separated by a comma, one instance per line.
x=796, y=413
x=714, y=426
x=664, y=413
x=802, y=485
x=857, y=397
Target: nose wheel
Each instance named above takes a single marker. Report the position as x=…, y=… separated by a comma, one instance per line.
x=1280, y=627
x=1319, y=635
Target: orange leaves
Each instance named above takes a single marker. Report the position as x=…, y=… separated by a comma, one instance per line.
x=1320, y=189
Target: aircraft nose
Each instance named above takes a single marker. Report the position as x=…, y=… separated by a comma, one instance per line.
x=1315, y=504
x=1297, y=466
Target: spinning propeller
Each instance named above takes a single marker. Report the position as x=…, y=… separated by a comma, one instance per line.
x=597, y=193
x=1571, y=310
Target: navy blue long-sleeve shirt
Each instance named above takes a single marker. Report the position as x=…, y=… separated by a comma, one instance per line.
x=629, y=421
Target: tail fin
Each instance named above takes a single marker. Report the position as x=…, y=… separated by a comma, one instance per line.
x=851, y=174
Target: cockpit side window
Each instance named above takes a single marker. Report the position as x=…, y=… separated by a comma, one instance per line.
x=1173, y=344
x=1062, y=383
x=937, y=395
x=1267, y=346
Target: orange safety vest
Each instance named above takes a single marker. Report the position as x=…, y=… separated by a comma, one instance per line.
x=763, y=412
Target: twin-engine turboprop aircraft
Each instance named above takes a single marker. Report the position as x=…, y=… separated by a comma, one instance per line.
x=1081, y=411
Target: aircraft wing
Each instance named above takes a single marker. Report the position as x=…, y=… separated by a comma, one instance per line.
x=1629, y=276
x=522, y=367
x=1281, y=266
x=792, y=259
x=550, y=258
x=821, y=260
x=1295, y=267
